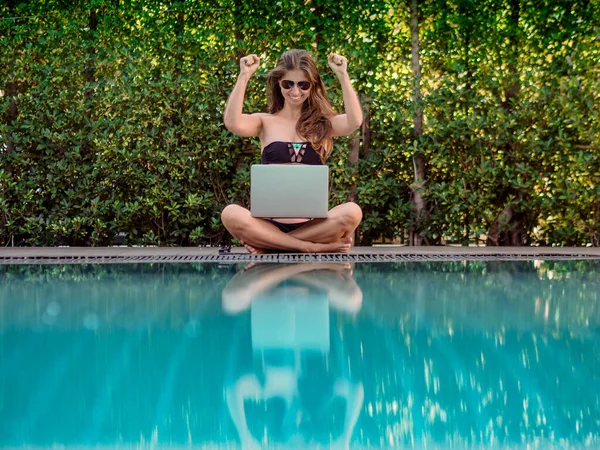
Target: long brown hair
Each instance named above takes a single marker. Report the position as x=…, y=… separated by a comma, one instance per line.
x=314, y=124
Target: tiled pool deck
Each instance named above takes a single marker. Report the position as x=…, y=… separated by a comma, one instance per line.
x=10, y=255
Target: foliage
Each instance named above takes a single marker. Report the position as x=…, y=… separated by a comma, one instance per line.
x=111, y=117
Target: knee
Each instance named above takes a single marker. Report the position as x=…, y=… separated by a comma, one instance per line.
x=352, y=215
x=232, y=217
x=227, y=214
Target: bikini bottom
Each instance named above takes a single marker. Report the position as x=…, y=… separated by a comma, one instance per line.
x=287, y=227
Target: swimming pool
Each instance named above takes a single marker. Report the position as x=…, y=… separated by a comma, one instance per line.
x=480, y=354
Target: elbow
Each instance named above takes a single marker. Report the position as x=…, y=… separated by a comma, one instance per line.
x=229, y=120
x=234, y=126
x=356, y=123
x=231, y=126
x=228, y=123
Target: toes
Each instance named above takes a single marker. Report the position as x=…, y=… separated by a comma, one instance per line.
x=250, y=249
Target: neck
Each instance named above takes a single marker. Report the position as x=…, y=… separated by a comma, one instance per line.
x=291, y=112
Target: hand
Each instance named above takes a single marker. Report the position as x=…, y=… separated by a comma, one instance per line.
x=249, y=64
x=338, y=63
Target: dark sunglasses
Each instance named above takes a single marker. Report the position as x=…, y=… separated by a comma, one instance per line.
x=289, y=84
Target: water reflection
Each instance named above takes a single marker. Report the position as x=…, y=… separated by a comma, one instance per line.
x=420, y=355
x=293, y=381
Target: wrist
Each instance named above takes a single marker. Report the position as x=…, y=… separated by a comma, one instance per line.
x=244, y=76
x=344, y=77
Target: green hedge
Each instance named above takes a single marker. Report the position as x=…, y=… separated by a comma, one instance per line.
x=111, y=117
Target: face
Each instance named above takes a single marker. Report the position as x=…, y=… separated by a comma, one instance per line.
x=291, y=85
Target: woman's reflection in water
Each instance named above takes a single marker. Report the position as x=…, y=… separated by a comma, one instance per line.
x=289, y=384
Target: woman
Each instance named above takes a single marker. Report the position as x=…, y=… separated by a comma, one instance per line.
x=300, y=114
x=293, y=387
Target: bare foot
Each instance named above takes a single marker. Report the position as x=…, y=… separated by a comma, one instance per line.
x=341, y=246
x=252, y=250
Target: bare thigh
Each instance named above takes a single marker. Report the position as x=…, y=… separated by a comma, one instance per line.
x=341, y=222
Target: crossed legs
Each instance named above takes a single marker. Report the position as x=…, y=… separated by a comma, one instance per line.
x=331, y=235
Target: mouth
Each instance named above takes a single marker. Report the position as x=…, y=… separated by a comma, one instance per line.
x=298, y=97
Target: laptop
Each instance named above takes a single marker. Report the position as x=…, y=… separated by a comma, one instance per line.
x=289, y=191
x=290, y=320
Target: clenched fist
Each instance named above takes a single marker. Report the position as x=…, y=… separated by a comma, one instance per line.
x=249, y=64
x=338, y=63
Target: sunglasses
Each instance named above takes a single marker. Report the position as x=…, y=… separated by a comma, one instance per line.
x=289, y=84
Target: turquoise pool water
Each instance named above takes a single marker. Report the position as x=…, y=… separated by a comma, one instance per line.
x=403, y=355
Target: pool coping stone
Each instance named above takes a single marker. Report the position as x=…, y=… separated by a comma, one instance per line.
x=120, y=252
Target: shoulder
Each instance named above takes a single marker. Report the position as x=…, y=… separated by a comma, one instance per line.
x=269, y=121
x=263, y=119
x=260, y=116
x=266, y=116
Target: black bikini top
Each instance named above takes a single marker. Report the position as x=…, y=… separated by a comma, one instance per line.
x=279, y=152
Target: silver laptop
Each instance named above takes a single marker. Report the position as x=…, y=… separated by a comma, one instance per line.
x=289, y=191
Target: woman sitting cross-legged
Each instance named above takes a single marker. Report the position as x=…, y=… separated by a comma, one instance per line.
x=299, y=113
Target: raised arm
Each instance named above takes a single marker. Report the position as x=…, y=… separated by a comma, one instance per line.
x=244, y=125
x=344, y=124
x=354, y=394
x=246, y=387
